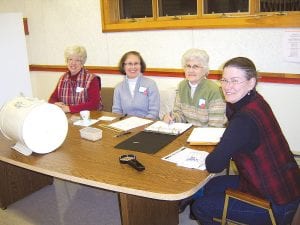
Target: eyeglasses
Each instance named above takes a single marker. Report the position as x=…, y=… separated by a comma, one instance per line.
x=74, y=61
x=132, y=64
x=194, y=67
x=224, y=81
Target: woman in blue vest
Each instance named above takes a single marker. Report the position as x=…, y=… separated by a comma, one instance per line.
x=254, y=140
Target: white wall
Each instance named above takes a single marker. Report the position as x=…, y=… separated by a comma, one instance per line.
x=15, y=78
x=55, y=24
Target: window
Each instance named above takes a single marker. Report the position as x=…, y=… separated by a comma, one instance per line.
x=177, y=7
x=226, y=6
x=126, y=15
x=279, y=5
x=135, y=9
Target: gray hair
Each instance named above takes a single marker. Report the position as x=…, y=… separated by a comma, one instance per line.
x=76, y=50
x=196, y=54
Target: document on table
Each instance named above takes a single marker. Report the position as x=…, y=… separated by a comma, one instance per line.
x=129, y=123
x=107, y=118
x=188, y=158
x=85, y=123
x=205, y=136
x=165, y=128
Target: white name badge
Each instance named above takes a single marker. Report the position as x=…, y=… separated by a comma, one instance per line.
x=142, y=89
x=201, y=102
x=79, y=89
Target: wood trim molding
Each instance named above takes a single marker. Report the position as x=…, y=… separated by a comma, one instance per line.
x=167, y=72
x=25, y=24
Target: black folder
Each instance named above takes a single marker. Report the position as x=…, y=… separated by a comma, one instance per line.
x=147, y=142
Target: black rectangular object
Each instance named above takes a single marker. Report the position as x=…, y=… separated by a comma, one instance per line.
x=146, y=142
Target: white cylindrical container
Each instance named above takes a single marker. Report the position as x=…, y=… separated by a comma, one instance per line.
x=35, y=125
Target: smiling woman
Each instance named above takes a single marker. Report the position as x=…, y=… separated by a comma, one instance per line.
x=198, y=100
x=254, y=140
x=136, y=95
x=77, y=89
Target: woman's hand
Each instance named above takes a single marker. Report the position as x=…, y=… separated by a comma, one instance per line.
x=168, y=118
x=64, y=107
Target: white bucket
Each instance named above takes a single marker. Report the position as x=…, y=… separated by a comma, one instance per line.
x=35, y=125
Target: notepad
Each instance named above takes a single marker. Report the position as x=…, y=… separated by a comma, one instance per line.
x=165, y=128
x=205, y=136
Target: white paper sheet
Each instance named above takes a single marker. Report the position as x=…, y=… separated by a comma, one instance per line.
x=291, y=45
x=85, y=123
x=130, y=123
x=188, y=158
x=107, y=118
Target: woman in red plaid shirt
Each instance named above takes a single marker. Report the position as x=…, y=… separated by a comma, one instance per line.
x=77, y=89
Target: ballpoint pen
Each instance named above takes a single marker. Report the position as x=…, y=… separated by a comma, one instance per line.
x=174, y=153
x=171, y=117
x=123, y=116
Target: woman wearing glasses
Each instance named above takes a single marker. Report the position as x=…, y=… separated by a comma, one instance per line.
x=77, y=89
x=198, y=100
x=136, y=95
x=255, y=142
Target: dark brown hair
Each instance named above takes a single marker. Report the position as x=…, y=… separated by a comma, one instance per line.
x=244, y=64
x=124, y=57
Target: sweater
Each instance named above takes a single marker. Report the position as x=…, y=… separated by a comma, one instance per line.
x=256, y=143
x=144, y=103
x=206, y=108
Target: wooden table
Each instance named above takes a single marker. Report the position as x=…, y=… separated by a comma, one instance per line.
x=149, y=197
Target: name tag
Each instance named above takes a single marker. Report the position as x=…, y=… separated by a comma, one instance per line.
x=79, y=89
x=202, y=103
x=142, y=89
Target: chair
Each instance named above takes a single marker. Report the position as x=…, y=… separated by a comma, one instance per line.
x=250, y=199
x=107, y=94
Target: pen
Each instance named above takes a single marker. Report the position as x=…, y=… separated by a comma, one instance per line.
x=123, y=116
x=171, y=117
x=122, y=133
x=174, y=153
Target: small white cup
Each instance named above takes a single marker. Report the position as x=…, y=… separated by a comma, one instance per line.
x=85, y=115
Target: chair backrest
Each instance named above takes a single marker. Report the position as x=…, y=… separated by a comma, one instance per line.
x=167, y=98
x=107, y=94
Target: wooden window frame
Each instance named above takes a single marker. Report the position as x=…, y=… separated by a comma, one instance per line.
x=112, y=23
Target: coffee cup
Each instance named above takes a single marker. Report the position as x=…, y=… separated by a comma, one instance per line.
x=85, y=115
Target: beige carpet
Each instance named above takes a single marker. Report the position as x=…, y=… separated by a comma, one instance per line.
x=65, y=203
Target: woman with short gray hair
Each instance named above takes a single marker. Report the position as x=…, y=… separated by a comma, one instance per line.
x=77, y=89
x=198, y=100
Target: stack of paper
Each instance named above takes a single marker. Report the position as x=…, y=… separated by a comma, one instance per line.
x=165, y=128
x=205, y=136
x=189, y=158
